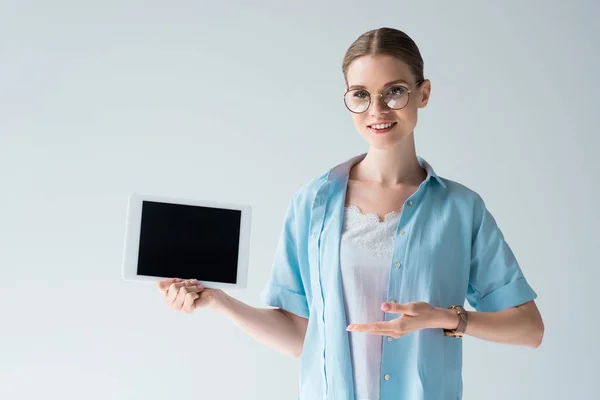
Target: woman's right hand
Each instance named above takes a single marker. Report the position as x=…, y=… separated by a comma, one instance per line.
x=185, y=295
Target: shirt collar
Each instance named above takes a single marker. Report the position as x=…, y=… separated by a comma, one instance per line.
x=343, y=169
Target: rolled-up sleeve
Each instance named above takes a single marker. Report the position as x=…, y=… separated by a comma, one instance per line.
x=285, y=288
x=496, y=281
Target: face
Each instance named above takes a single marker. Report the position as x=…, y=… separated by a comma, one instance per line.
x=392, y=78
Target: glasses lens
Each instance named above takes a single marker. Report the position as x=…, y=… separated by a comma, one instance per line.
x=357, y=100
x=396, y=97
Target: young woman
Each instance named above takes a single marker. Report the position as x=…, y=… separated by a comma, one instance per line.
x=378, y=255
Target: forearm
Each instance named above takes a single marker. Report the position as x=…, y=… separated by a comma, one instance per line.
x=516, y=326
x=271, y=327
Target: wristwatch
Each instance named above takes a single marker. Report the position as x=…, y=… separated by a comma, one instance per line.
x=462, y=322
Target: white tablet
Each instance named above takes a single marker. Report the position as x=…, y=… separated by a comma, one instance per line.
x=169, y=237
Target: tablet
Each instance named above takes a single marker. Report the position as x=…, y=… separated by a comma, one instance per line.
x=168, y=237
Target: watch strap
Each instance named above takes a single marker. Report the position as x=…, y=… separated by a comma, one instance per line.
x=462, y=322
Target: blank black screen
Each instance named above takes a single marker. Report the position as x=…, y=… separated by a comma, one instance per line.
x=189, y=242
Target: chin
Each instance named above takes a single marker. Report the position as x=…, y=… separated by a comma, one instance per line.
x=383, y=141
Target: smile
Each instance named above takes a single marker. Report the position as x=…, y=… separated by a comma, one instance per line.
x=382, y=128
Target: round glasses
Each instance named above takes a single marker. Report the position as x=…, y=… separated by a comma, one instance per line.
x=395, y=97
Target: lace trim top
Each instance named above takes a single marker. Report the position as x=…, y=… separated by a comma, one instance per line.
x=370, y=233
x=366, y=251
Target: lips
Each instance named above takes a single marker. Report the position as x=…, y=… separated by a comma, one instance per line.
x=382, y=123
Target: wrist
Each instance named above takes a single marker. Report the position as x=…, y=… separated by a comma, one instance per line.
x=448, y=319
x=218, y=300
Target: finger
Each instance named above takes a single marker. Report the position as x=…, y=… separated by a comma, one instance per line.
x=163, y=285
x=180, y=297
x=392, y=333
x=183, y=291
x=382, y=333
x=371, y=327
x=189, y=302
x=195, y=283
x=173, y=291
x=189, y=282
x=395, y=308
x=193, y=288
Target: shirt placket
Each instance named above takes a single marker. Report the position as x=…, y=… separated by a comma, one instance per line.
x=391, y=375
x=315, y=229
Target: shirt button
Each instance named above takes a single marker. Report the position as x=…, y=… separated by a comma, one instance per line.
x=398, y=264
x=393, y=301
x=387, y=377
x=409, y=203
x=390, y=339
x=402, y=232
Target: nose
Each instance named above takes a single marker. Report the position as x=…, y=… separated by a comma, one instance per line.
x=378, y=107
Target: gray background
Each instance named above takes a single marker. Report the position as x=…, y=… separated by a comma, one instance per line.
x=241, y=101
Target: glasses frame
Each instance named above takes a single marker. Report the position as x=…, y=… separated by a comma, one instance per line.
x=381, y=97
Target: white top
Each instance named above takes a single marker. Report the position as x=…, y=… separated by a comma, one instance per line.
x=366, y=251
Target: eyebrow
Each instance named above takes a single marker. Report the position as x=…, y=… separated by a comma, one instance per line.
x=387, y=84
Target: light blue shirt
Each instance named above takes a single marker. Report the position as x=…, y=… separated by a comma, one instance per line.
x=449, y=249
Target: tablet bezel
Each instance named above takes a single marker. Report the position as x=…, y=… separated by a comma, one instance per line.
x=132, y=237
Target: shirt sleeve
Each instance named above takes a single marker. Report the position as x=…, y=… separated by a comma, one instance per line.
x=285, y=288
x=496, y=281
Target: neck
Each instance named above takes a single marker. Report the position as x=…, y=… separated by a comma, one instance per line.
x=393, y=165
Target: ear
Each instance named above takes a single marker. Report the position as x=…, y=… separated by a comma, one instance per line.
x=424, y=92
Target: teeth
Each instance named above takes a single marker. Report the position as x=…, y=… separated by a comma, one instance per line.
x=381, y=126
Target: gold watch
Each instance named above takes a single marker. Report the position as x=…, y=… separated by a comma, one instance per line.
x=462, y=322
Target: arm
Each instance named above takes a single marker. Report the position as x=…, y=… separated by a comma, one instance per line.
x=275, y=328
x=521, y=325
x=498, y=290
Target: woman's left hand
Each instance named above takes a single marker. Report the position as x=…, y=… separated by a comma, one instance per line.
x=415, y=316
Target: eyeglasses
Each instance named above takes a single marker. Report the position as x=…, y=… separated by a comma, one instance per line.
x=395, y=97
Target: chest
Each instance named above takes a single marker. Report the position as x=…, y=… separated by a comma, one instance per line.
x=425, y=250
x=375, y=199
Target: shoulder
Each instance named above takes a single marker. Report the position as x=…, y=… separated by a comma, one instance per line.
x=333, y=175
x=459, y=190
x=305, y=194
x=467, y=202
x=463, y=196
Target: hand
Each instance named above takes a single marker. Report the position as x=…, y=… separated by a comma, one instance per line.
x=186, y=295
x=415, y=316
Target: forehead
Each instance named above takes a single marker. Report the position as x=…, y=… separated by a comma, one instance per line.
x=373, y=72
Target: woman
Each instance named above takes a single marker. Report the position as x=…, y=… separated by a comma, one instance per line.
x=378, y=255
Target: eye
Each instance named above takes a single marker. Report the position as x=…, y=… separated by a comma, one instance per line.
x=397, y=90
x=361, y=94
